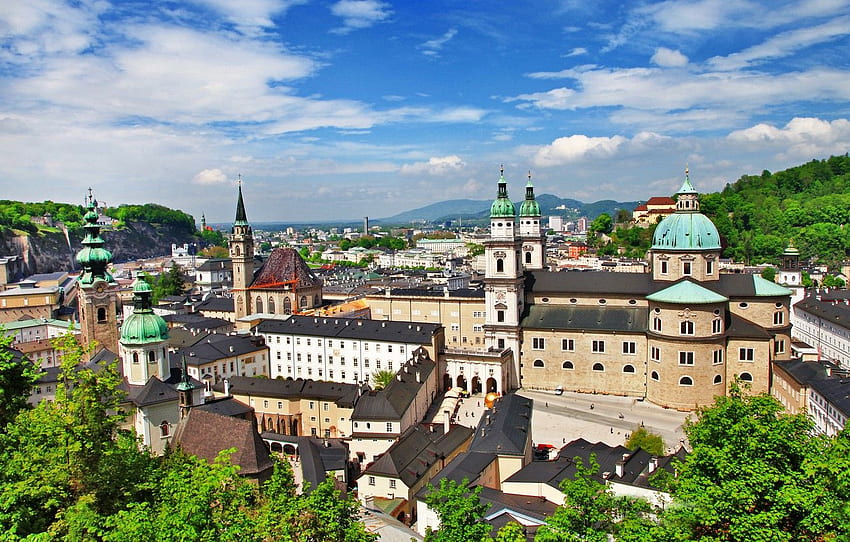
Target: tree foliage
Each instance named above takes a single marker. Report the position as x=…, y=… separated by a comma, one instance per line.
x=602, y=224
x=381, y=379
x=460, y=511
x=643, y=438
x=17, y=214
x=153, y=214
x=17, y=376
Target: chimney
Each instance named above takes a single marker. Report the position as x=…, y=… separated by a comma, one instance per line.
x=446, y=421
x=619, y=467
x=418, y=376
x=227, y=387
x=828, y=371
x=653, y=464
x=398, y=376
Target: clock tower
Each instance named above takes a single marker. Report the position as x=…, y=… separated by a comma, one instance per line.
x=504, y=280
x=242, y=256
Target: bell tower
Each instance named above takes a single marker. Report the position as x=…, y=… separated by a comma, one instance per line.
x=97, y=292
x=242, y=258
x=531, y=231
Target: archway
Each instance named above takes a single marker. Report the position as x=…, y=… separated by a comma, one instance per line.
x=476, y=385
x=491, y=385
x=461, y=382
x=276, y=447
x=447, y=382
x=293, y=427
x=289, y=449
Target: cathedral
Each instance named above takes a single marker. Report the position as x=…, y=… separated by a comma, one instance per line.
x=677, y=336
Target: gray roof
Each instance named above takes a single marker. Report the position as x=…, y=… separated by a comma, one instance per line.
x=342, y=394
x=504, y=429
x=390, y=403
x=437, y=292
x=742, y=328
x=215, y=304
x=837, y=313
x=835, y=388
x=215, y=264
x=227, y=406
x=351, y=328
x=574, y=317
x=419, y=448
x=318, y=456
x=215, y=346
x=465, y=466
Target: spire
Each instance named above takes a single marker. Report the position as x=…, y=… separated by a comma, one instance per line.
x=184, y=391
x=502, y=207
x=241, y=217
x=687, y=187
x=688, y=197
x=93, y=258
x=529, y=207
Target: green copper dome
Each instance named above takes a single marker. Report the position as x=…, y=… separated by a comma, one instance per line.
x=687, y=228
x=502, y=207
x=529, y=207
x=143, y=326
x=93, y=258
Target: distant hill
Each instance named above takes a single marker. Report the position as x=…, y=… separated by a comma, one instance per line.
x=479, y=210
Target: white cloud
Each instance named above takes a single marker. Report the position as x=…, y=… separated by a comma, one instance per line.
x=576, y=147
x=357, y=14
x=576, y=51
x=669, y=58
x=441, y=165
x=35, y=28
x=800, y=138
x=251, y=14
x=557, y=98
x=433, y=47
x=210, y=176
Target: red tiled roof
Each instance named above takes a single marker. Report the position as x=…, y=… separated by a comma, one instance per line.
x=285, y=266
x=661, y=200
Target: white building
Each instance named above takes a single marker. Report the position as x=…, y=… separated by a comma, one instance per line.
x=824, y=325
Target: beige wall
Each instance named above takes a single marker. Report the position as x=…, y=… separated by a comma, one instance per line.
x=676, y=265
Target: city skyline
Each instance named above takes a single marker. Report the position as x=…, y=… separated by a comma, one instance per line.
x=334, y=111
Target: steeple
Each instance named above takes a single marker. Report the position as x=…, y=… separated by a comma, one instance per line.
x=242, y=257
x=241, y=217
x=529, y=207
x=142, y=340
x=93, y=258
x=688, y=200
x=184, y=391
x=502, y=207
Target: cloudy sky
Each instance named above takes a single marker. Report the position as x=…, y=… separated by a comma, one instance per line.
x=340, y=109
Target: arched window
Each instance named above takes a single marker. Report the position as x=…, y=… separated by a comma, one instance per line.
x=237, y=250
x=259, y=305
x=271, y=306
x=568, y=365
x=287, y=306
x=628, y=368
x=316, y=300
x=656, y=324
x=528, y=257
x=303, y=302
x=135, y=357
x=538, y=363
x=598, y=367
x=101, y=315
x=686, y=381
x=718, y=379
x=686, y=327
x=500, y=265
x=163, y=428
x=746, y=377
x=654, y=375
x=151, y=357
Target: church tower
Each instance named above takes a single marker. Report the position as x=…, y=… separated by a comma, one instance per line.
x=242, y=256
x=504, y=281
x=531, y=232
x=143, y=337
x=97, y=296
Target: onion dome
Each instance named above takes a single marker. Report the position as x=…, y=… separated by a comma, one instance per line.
x=502, y=207
x=143, y=326
x=93, y=258
x=687, y=228
x=529, y=207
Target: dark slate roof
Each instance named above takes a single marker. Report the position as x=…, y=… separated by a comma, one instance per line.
x=741, y=328
x=285, y=265
x=205, y=434
x=153, y=392
x=393, y=401
x=574, y=317
x=437, y=292
x=467, y=465
x=835, y=388
x=420, y=447
x=227, y=406
x=197, y=321
x=317, y=456
x=536, y=507
x=342, y=394
x=217, y=346
x=351, y=328
x=837, y=313
x=504, y=429
x=48, y=375
x=215, y=264
x=215, y=304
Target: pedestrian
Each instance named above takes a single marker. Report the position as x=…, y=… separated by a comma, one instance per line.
x=612, y=430
x=547, y=404
x=591, y=406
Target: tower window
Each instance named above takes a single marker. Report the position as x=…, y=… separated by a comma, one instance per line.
x=135, y=357
x=778, y=318
x=709, y=267
x=528, y=257
x=151, y=357
x=663, y=267
x=686, y=268
x=500, y=316
x=101, y=315
x=686, y=327
x=500, y=265
x=259, y=307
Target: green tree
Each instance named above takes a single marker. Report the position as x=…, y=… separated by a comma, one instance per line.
x=17, y=376
x=769, y=273
x=460, y=511
x=475, y=249
x=214, y=252
x=746, y=477
x=213, y=238
x=511, y=532
x=381, y=379
x=170, y=283
x=643, y=438
x=832, y=281
x=602, y=224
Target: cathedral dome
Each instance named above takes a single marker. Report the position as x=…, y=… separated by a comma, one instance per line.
x=143, y=326
x=529, y=207
x=502, y=207
x=686, y=231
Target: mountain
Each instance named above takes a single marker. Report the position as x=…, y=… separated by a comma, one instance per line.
x=479, y=210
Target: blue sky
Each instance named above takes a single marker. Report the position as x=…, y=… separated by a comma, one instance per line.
x=340, y=109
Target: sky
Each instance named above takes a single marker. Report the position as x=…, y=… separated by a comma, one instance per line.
x=335, y=110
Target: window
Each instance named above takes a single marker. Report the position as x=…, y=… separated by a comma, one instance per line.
x=778, y=318
x=265, y=404
x=779, y=346
x=718, y=379
x=598, y=367
x=389, y=427
x=598, y=347
x=686, y=358
x=135, y=357
x=717, y=357
x=629, y=347
x=709, y=267
x=745, y=354
x=717, y=326
x=500, y=265
x=654, y=375
x=538, y=343
x=655, y=353
x=746, y=377
x=568, y=345
x=392, y=484
x=686, y=381
x=686, y=268
x=101, y=314
x=371, y=480
x=163, y=429
x=686, y=327
x=312, y=405
x=500, y=316
x=538, y=363
x=656, y=324
x=567, y=365
x=325, y=406
x=280, y=404
x=628, y=368
x=663, y=267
